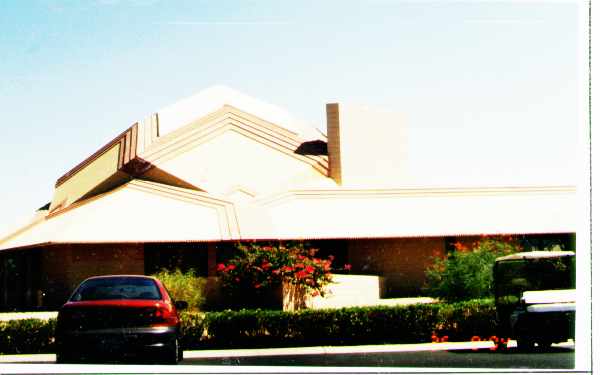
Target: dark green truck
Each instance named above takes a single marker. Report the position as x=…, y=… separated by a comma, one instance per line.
x=535, y=297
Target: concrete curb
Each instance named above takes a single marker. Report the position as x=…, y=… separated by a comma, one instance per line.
x=324, y=350
x=312, y=350
x=43, y=315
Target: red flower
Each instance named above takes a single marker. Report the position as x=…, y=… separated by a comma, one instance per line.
x=256, y=286
x=230, y=267
x=301, y=274
x=220, y=267
x=347, y=267
x=266, y=266
x=460, y=247
x=310, y=269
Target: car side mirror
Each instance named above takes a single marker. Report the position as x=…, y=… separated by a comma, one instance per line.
x=181, y=305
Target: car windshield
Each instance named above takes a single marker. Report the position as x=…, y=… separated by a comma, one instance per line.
x=513, y=277
x=117, y=288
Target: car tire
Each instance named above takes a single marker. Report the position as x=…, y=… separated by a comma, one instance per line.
x=62, y=357
x=171, y=354
x=180, y=354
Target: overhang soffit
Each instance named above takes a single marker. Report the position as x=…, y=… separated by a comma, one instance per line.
x=414, y=193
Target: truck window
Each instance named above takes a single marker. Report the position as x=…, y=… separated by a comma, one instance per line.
x=512, y=277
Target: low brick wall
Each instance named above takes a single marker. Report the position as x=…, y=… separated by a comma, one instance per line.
x=401, y=261
x=43, y=315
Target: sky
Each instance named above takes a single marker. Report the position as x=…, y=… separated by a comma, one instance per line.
x=493, y=92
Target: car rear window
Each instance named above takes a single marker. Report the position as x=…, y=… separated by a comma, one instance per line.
x=117, y=288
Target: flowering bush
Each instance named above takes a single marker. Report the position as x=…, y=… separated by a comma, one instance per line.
x=259, y=267
x=466, y=273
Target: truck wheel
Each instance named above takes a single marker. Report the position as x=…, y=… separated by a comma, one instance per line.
x=545, y=344
x=525, y=344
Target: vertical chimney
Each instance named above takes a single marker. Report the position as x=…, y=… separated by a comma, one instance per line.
x=366, y=147
x=333, y=142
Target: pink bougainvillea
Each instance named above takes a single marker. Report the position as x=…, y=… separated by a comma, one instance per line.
x=258, y=266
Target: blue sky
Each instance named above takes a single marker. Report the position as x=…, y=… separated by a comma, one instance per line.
x=492, y=90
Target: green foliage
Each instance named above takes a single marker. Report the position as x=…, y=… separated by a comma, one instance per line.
x=27, y=336
x=347, y=326
x=184, y=286
x=193, y=329
x=463, y=320
x=264, y=328
x=466, y=273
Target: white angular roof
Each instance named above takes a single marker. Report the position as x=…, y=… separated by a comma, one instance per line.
x=143, y=211
x=211, y=99
x=154, y=171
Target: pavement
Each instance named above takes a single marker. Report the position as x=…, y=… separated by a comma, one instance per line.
x=313, y=350
x=447, y=357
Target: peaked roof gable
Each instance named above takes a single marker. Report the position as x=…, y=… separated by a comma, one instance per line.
x=229, y=118
x=213, y=98
x=139, y=151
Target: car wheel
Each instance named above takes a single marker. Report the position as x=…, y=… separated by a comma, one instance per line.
x=180, y=354
x=62, y=357
x=171, y=354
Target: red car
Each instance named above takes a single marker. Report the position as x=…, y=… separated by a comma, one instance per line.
x=119, y=316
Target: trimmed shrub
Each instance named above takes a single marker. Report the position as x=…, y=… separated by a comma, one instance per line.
x=462, y=320
x=347, y=326
x=273, y=328
x=27, y=336
x=193, y=329
x=184, y=286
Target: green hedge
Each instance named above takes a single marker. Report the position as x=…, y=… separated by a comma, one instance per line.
x=27, y=336
x=348, y=326
x=461, y=321
x=271, y=328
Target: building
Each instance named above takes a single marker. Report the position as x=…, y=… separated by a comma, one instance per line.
x=182, y=186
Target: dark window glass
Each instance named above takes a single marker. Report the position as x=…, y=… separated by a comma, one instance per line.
x=513, y=277
x=117, y=288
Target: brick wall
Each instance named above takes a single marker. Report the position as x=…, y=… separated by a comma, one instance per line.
x=64, y=267
x=402, y=262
